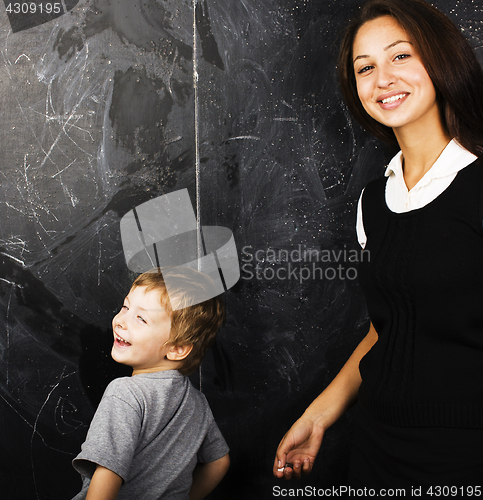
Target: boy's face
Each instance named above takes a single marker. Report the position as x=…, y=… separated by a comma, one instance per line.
x=141, y=330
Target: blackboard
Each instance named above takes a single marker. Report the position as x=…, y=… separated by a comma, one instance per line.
x=108, y=104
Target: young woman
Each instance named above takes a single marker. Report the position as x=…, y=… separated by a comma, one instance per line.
x=409, y=75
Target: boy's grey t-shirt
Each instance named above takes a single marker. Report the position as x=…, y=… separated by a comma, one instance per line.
x=151, y=429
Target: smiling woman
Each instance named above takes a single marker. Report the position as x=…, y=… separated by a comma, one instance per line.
x=389, y=73
x=409, y=76
x=446, y=56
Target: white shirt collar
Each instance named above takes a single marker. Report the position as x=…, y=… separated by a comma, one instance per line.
x=449, y=162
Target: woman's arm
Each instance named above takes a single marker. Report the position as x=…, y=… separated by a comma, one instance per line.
x=301, y=444
x=104, y=485
x=206, y=477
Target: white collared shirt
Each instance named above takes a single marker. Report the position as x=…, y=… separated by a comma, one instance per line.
x=398, y=199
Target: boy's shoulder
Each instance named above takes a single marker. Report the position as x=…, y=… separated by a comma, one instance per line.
x=169, y=378
x=164, y=389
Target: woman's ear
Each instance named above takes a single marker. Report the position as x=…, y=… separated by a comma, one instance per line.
x=178, y=352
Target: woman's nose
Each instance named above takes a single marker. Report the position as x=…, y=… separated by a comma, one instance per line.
x=386, y=76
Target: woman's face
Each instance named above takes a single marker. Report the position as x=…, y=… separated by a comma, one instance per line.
x=392, y=83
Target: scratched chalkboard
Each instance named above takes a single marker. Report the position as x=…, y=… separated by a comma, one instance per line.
x=107, y=104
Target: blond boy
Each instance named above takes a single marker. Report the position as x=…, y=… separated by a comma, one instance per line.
x=153, y=435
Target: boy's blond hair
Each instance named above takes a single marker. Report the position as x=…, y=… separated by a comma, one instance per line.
x=194, y=325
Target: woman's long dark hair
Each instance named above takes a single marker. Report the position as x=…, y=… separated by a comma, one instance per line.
x=448, y=58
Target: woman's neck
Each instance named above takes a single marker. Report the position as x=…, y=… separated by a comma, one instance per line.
x=420, y=149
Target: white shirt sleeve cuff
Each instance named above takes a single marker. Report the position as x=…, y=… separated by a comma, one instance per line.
x=361, y=234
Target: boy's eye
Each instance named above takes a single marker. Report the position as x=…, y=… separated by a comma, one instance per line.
x=142, y=319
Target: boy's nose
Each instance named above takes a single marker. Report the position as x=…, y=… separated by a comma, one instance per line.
x=118, y=322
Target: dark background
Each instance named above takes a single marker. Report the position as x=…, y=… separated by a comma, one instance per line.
x=97, y=116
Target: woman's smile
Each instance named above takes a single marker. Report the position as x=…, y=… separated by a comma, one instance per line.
x=392, y=100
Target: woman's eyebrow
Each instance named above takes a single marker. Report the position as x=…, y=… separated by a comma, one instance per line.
x=360, y=57
x=393, y=44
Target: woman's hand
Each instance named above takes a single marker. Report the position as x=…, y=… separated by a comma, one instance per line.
x=297, y=451
x=300, y=445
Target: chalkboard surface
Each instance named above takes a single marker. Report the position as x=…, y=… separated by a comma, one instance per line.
x=107, y=104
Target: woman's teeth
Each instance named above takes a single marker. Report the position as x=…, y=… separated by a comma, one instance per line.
x=393, y=98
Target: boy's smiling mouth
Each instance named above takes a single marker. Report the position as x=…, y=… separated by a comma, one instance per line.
x=121, y=341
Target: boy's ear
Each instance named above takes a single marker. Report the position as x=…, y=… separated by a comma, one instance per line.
x=178, y=352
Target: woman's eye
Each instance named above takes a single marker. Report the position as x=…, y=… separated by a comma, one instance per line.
x=364, y=69
x=141, y=319
x=399, y=57
x=125, y=307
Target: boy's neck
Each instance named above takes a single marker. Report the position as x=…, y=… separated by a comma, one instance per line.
x=169, y=365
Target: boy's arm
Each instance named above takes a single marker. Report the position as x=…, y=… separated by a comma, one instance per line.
x=104, y=485
x=206, y=477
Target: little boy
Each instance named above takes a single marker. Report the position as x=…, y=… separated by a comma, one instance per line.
x=153, y=435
